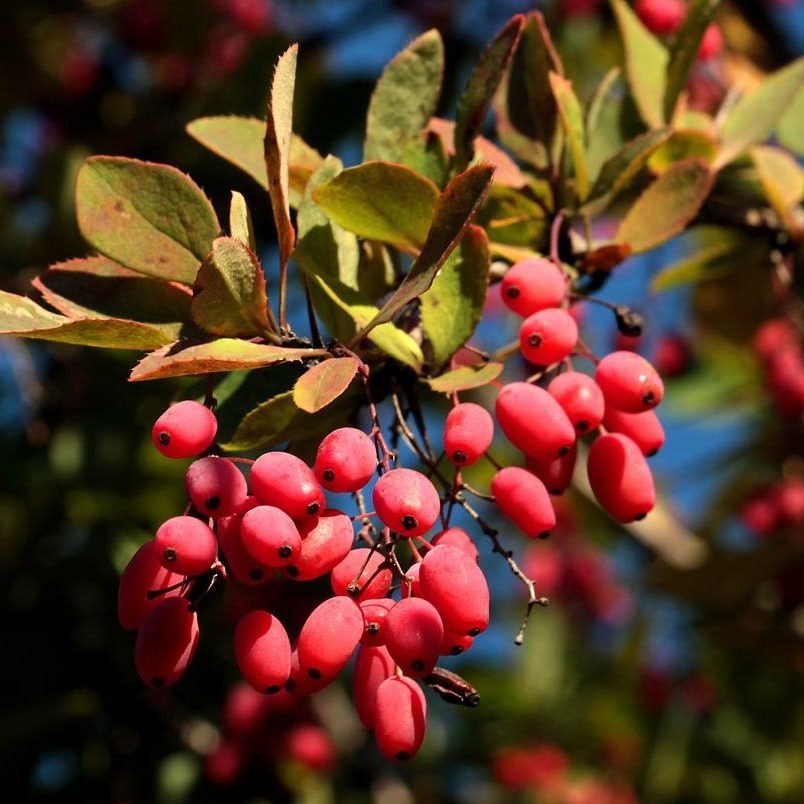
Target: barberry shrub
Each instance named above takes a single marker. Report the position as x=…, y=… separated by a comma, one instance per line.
x=397, y=258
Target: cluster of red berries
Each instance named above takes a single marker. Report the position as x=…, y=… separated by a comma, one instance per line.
x=545, y=423
x=779, y=346
x=277, y=525
x=664, y=18
x=775, y=507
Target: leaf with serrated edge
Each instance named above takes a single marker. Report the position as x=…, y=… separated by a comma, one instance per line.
x=278, y=132
x=381, y=201
x=404, y=98
x=666, y=206
x=240, y=224
x=24, y=318
x=617, y=171
x=324, y=383
x=223, y=354
x=148, y=217
x=229, y=294
x=96, y=287
x=474, y=101
x=465, y=378
x=684, y=50
x=453, y=306
x=645, y=64
x=453, y=212
x=753, y=118
x=571, y=115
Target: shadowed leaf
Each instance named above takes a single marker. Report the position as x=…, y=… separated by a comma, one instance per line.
x=381, y=201
x=571, y=116
x=666, y=206
x=474, y=101
x=683, y=144
x=229, y=294
x=404, y=98
x=148, y=217
x=704, y=263
x=224, y=354
x=781, y=177
x=324, y=383
x=465, y=378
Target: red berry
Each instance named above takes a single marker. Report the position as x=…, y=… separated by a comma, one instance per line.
x=166, y=642
x=533, y=421
x=184, y=430
x=662, y=17
x=581, y=398
x=400, y=716
x=790, y=500
x=372, y=666
x=760, y=513
x=346, y=460
x=186, y=545
x=375, y=613
x=361, y=566
x=556, y=475
x=270, y=536
x=711, y=43
x=468, y=433
x=328, y=638
x=143, y=573
x=457, y=537
x=406, y=501
x=532, y=285
x=774, y=335
x=262, y=651
x=245, y=568
x=215, y=486
x=287, y=482
x=629, y=382
x=325, y=541
x=620, y=477
x=413, y=635
x=454, y=644
x=644, y=429
x=454, y=583
x=301, y=684
x=311, y=746
x=523, y=498
x=547, y=336
x=672, y=356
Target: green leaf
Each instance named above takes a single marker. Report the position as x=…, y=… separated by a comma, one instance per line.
x=381, y=201
x=323, y=383
x=790, y=131
x=453, y=212
x=240, y=141
x=229, y=294
x=645, y=64
x=404, y=98
x=618, y=171
x=224, y=354
x=756, y=115
x=666, y=206
x=571, y=115
x=530, y=104
x=453, y=306
x=474, y=101
x=427, y=156
x=148, y=217
x=683, y=144
x=24, y=318
x=267, y=425
x=781, y=177
x=240, y=224
x=465, y=378
x=684, y=50
x=703, y=264
x=278, y=134
x=95, y=287
x=391, y=340
x=598, y=100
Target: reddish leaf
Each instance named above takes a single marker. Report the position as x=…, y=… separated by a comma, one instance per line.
x=324, y=383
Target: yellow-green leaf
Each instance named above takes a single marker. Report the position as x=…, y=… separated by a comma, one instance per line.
x=240, y=224
x=571, y=115
x=465, y=378
x=324, y=383
x=781, y=177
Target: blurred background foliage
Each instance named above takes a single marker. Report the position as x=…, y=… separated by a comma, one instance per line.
x=644, y=681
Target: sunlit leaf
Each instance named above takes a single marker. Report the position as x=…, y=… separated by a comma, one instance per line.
x=224, y=354
x=465, y=378
x=790, y=131
x=453, y=306
x=229, y=293
x=404, y=98
x=148, y=217
x=781, y=177
x=474, y=101
x=240, y=224
x=645, y=64
x=755, y=115
x=381, y=201
x=666, y=206
x=324, y=383
x=701, y=265
x=683, y=144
